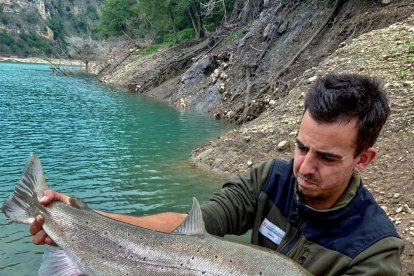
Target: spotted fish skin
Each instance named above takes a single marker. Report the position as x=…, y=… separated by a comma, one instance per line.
x=92, y=244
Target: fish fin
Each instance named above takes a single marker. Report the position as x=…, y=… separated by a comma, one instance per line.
x=57, y=263
x=22, y=206
x=78, y=203
x=193, y=223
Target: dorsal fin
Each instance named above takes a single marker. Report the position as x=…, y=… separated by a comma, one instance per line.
x=78, y=203
x=193, y=223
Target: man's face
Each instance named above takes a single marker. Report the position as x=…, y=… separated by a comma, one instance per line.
x=324, y=160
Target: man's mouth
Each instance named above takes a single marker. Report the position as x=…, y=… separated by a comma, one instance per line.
x=307, y=181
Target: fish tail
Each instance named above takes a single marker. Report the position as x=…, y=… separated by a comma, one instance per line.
x=23, y=205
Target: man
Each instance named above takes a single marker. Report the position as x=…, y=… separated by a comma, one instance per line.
x=314, y=209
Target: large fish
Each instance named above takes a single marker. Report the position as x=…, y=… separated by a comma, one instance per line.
x=91, y=244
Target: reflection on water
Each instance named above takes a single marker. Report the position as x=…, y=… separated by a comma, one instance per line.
x=118, y=151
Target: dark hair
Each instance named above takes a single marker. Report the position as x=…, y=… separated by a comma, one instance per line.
x=342, y=97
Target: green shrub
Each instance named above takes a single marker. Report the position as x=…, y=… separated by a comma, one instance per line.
x=236, y=33
x=185, y=34
x=405, y=56
x=403, y=72
x=153, y=49
x=392, y=52
x=5, y=50
x=166, y=39
x=4, y=18
x=31, y=18
x=6, y=39
x=169, y=38
x=409, y=51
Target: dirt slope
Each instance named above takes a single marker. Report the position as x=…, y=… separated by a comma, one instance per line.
x=244, y=67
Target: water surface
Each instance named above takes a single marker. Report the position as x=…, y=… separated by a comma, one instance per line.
x=120, y=152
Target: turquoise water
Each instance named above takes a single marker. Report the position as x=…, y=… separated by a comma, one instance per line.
x=120, y=152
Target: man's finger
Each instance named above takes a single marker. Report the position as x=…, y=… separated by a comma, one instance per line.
x=50, y=196
x=62, y=198
x=49, y=241
x=39, y=237
x=36, y=225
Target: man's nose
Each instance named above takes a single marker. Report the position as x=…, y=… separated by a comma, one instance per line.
x=309, y=164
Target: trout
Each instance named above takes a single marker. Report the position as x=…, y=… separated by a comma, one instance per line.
x=92, y=244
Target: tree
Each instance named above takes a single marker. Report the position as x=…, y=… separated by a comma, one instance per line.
x=244, y=11
x=211, y=5
x=174, y=15
x=171, y=5
x=216, y=11
x=85, y=49
x=117, y=16
x=163, y=17
x=160, y=14
x=58, y=29
x=194, y=11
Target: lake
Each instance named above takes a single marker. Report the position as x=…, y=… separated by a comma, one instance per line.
x=120, y=152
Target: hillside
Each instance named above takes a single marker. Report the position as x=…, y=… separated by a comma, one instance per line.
x=36, y=27
x=256, y=75
x=243, y=68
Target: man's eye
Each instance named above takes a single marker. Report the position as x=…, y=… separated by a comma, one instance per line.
x=327, y=158
x=301, y=148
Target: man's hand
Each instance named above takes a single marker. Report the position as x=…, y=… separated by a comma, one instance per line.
x=36, y=228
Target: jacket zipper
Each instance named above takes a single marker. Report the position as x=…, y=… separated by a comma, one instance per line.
x=293, y=242
x=288, y=247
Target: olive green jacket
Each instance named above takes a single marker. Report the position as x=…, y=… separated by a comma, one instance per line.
x=355, y=237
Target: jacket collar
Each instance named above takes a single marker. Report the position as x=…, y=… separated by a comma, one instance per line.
x=344, y=200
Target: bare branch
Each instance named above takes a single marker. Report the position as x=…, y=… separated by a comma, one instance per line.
x=86, y=49
x=210, y=6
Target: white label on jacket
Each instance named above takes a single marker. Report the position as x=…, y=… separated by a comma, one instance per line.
x=271, y=231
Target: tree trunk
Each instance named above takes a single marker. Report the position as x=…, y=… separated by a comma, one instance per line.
x=246, y=10
x=171, y=13
x=224, y=10
x=195, y=16
x=86, y=67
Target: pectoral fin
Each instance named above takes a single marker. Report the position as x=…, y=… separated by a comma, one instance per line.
x=57, y=263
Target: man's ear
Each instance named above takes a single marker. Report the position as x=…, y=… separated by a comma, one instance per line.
x=365, y=158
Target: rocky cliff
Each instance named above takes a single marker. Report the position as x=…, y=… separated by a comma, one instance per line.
x=27, y=26
x=18, y=9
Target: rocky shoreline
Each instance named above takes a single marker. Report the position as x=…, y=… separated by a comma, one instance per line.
x=38, y=60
